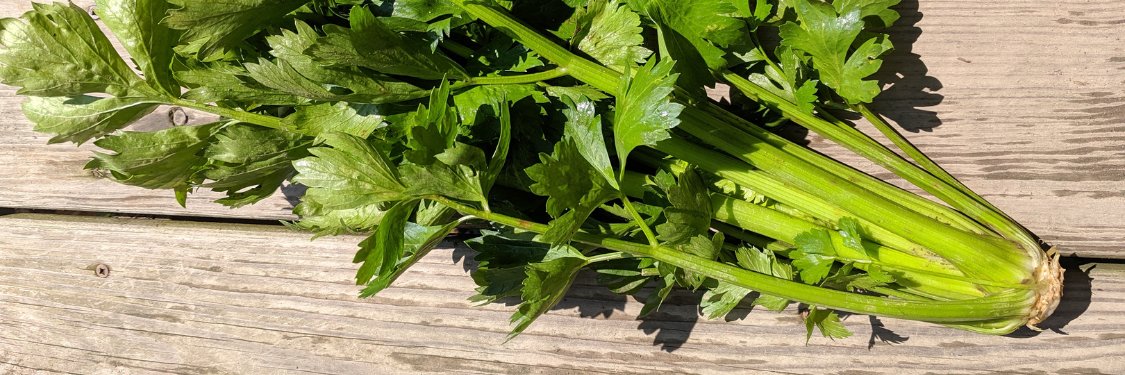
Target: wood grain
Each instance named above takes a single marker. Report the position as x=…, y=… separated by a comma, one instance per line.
x=1026, y=98
x=199, y=298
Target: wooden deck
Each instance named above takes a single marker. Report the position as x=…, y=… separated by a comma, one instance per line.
x=1023, y=100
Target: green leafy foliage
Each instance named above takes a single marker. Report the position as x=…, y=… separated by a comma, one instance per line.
x=610, y=33
x=546, y=283
x=81, y=118
x=584, y=127
x=875, y=277
x=250, y=163
x=814, y=256
x=214, y=25
x=330, y=222
x=230, y=85
x=880, y=9
x=396, y=244
x=852, y=233
x=832, y=37
x=645, y=111
x=380, y=252
x=827, y=322
x=501, y=258
x=137, y=24
x=766, y=262
x=787, y=78
x=303, y=75
x=703, y=247
x=501, y=55
x=359, y=120
x=690, y=212
x=724, y=297
x=167, y=159
x=58, y=50
x=372, y=44
x=721, y=299
x=491, y=98
x=349, y=174
x=417, y=242
x=423, y=10
x=572, y=187
x=708, y=25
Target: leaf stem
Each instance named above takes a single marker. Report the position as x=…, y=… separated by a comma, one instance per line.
x=242, y=116
x=519, y=78
x=608, y=257
x=639, y=220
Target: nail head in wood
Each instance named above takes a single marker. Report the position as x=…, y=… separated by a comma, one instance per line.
x=99, y=173
x=101, y=270
x=177, y=116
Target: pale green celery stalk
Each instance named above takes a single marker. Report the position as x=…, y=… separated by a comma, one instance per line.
x=972, y=254
x=984, y=257
x=855, y=141
x=924, y=206
x=777, y=225
x=760, y=241
x=736, y=171
x=744, y=175
x=925, y=162
x=784, y=226
x=928, y=276
x=1013, y=306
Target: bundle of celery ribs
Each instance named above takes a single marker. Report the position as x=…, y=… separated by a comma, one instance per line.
x=578, y=133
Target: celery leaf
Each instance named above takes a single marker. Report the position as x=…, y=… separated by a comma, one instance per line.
x=137, y=24
x=351, y=173
x=216, y=24
x=80, y=118
x=827, y=322
x=828, y=37
x=611, y=34
x=546, y=284
x=58, y=50
x=166, y=159
x=645, y=111
x=814, y=255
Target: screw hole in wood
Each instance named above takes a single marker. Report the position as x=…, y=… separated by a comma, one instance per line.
x=101, y=270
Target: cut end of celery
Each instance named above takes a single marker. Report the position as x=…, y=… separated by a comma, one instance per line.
x=1049, y=285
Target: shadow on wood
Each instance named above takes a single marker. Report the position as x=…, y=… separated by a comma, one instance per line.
x=912, y=88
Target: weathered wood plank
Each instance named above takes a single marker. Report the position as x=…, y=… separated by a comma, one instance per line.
x=1027, y=97
x=216, y=298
